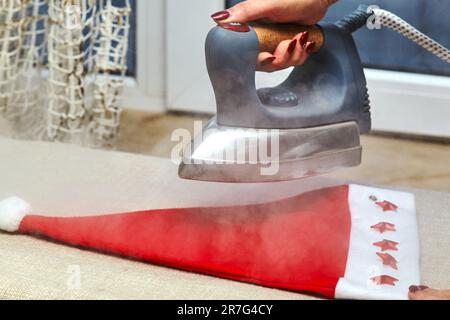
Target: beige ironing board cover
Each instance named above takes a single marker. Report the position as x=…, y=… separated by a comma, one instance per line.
x=63, y=179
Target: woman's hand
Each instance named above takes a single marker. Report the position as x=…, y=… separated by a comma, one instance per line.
x=290, y=52
x=425, y=293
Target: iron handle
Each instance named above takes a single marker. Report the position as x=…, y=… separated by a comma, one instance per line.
x=270, y=35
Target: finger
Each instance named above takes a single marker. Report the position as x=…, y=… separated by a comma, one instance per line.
x=279, y=60
x=422, y=293
x=304, y=50
x=289, y=53
x=307, y=49
x=299, y=55
x=265, y=60
x=427, y=294
x=242, y=12
x=285, y=51
x=293, y=52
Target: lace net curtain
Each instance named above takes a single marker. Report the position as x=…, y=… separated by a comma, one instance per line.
x=62, y=68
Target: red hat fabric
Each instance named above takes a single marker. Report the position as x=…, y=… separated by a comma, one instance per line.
x=342, y=242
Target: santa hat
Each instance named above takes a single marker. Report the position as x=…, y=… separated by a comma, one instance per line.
x=342, y=242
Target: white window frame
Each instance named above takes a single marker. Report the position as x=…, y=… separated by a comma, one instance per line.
x=146, y=90
x=171, y=33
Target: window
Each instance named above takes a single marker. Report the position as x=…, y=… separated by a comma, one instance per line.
x=385, y=49
x=409, y=87
x=131, y=55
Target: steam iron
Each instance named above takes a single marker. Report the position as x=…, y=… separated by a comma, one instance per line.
x=310, y=124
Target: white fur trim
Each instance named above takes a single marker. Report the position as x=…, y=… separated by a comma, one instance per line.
x=363, y=262
x=12, y=212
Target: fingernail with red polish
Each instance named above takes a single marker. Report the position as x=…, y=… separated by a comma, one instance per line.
x=268, y=60
x=310, y=47
x=234, y=26
x=413, y=289
x=292, y=46
x=303, y=38
x=221, y=15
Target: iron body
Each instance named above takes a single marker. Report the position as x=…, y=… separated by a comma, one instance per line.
x=309, y=124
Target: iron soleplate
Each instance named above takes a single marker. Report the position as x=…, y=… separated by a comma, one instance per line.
x=241, y=155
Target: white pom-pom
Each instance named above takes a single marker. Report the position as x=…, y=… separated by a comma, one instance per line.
x=12, y=212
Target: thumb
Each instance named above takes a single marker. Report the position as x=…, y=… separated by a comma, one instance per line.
x=244, y=12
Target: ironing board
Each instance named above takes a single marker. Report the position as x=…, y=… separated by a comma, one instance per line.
x=65, y=179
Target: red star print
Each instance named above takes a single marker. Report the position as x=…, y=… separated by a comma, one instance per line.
x=386, y=245
x=382, y=227
x=384, y=280
x=387, y=206
x=388, y=260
